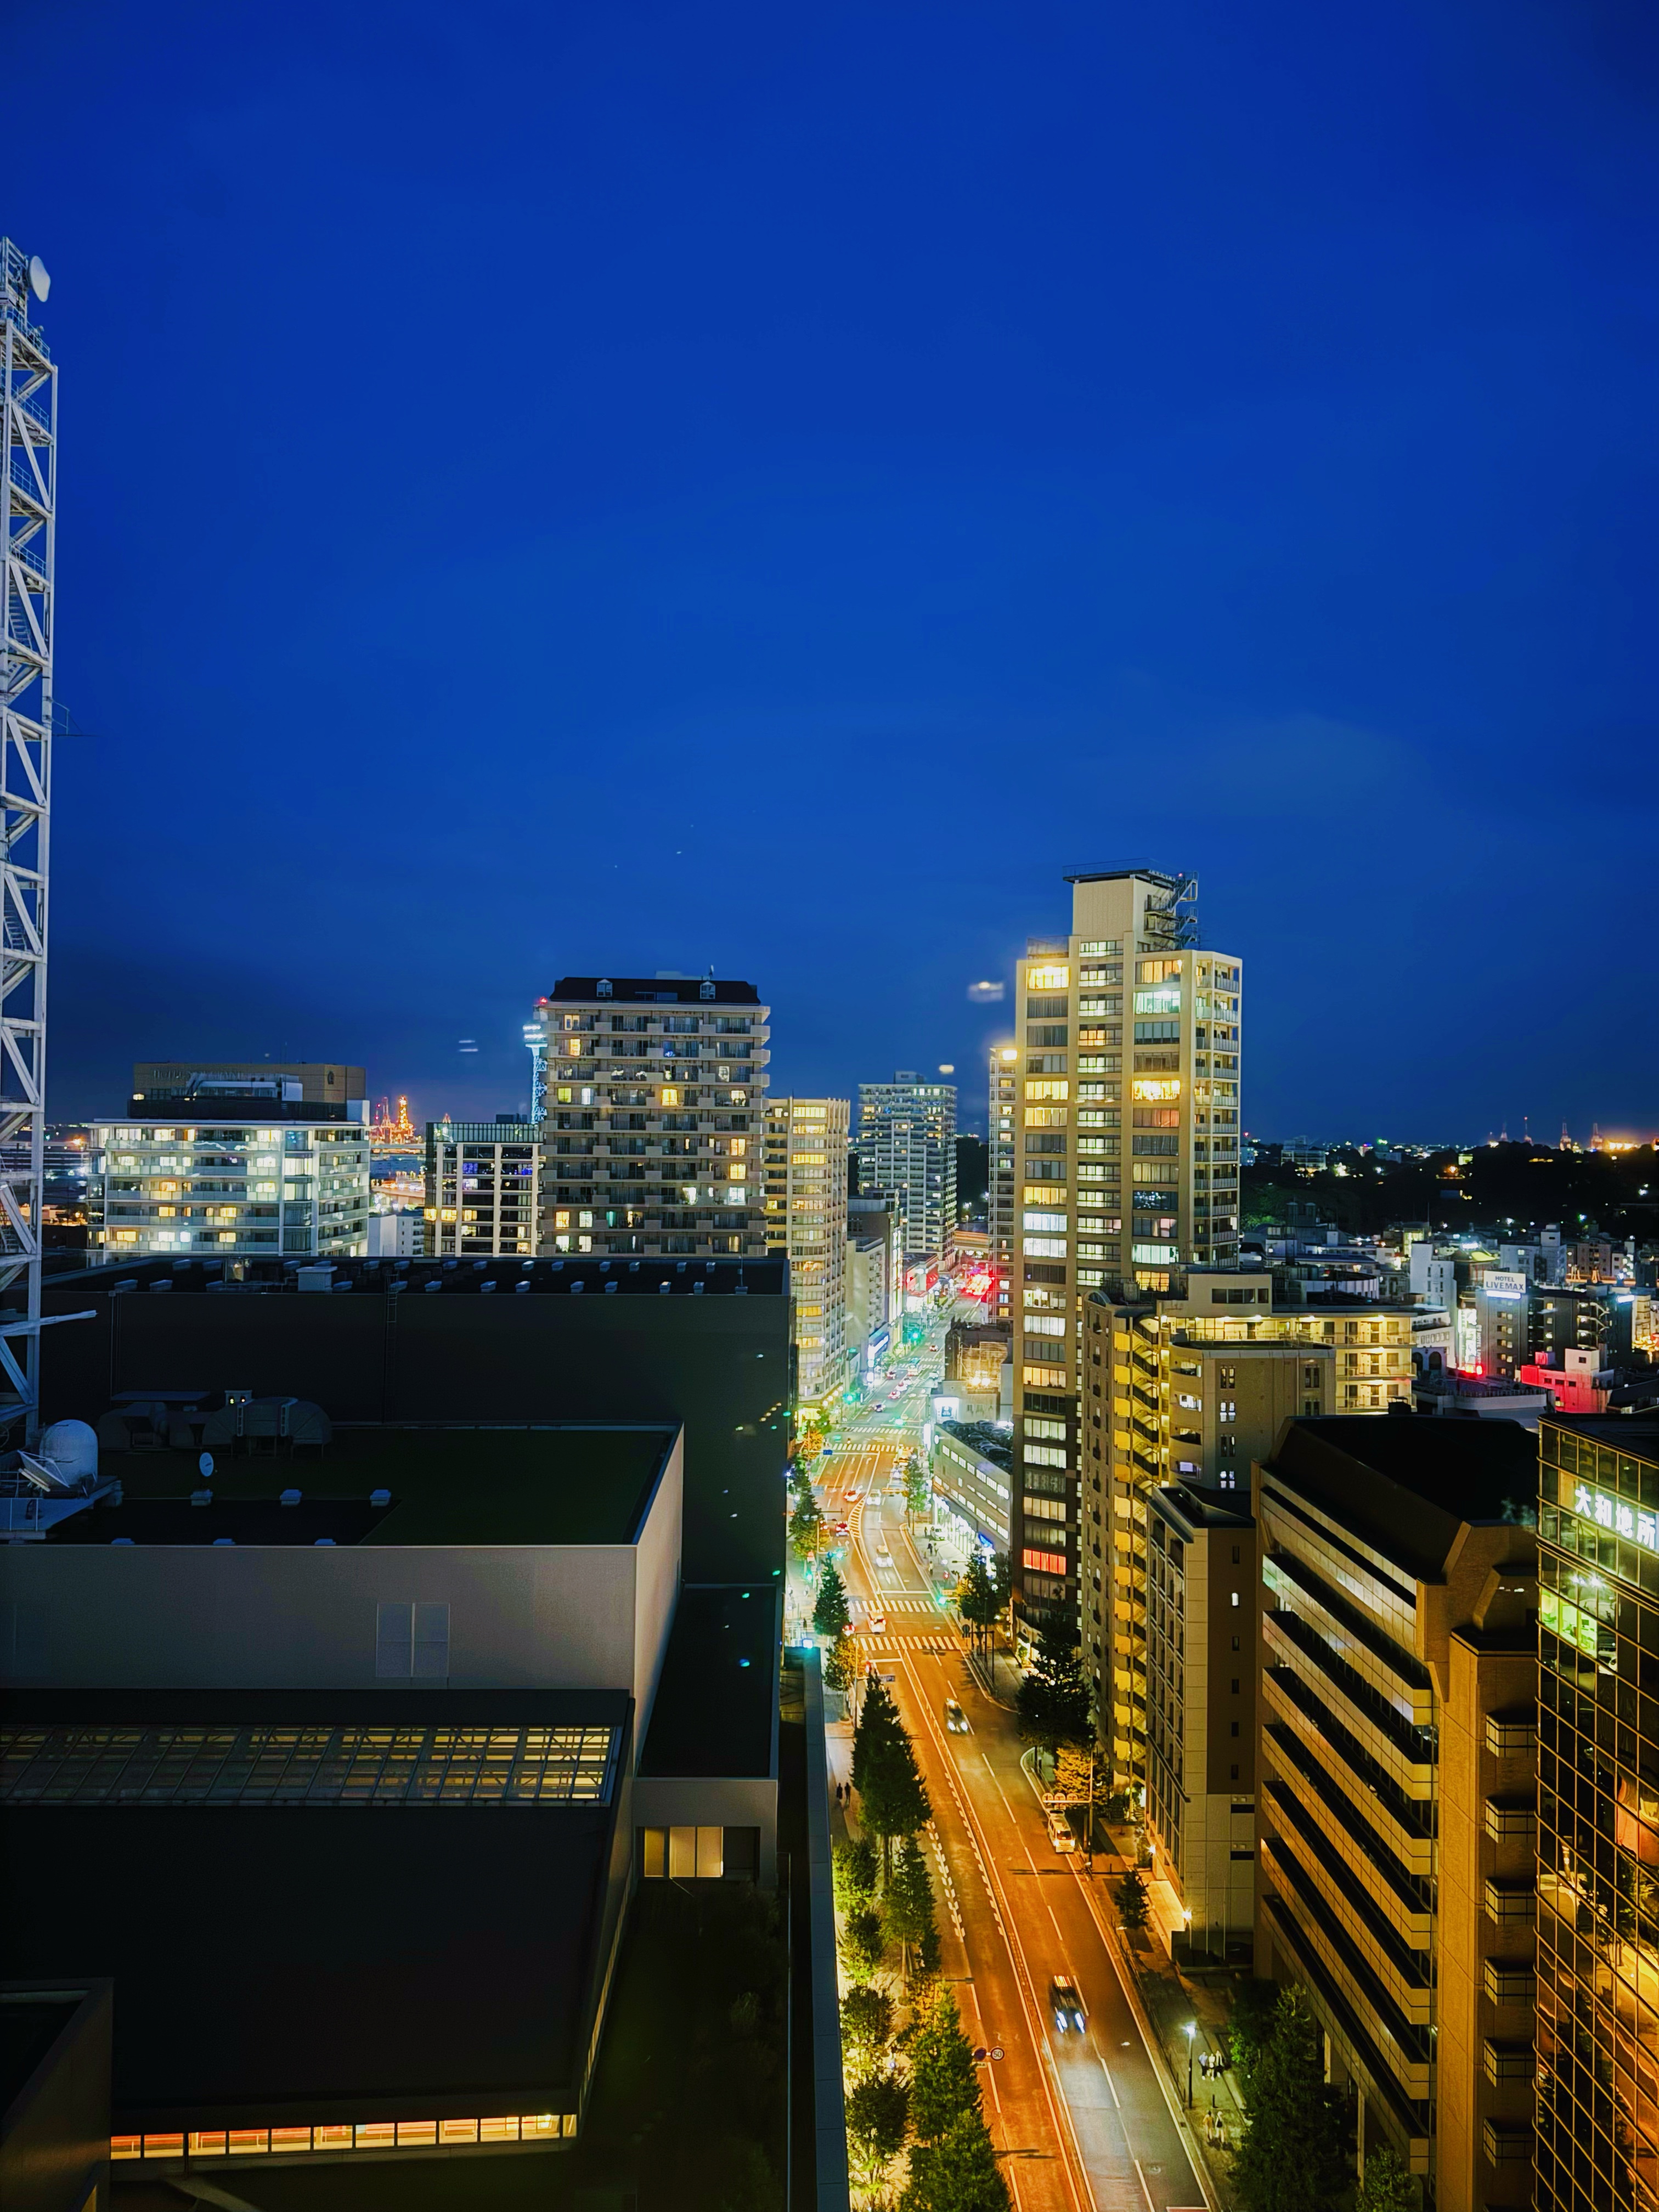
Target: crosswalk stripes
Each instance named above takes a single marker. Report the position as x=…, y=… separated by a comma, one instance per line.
x=884, y=1646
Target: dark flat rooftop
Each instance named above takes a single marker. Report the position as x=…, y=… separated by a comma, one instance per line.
x=717, y=1701
x=571, y=1483
x=763, y=1277
x=1408, y=1485
x=1198, y=1509
x=668, y=990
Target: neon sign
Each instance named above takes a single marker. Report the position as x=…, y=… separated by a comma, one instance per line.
x=1612, y=1514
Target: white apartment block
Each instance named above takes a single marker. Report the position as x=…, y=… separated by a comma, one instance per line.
x=907, y=1143
x=654, y=1097
x=239, y=1179
x=807, y=1218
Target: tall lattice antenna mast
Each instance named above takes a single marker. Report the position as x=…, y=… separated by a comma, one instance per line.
x=28, y=507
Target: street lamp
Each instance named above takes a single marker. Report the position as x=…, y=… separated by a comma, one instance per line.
x=1191, y=2046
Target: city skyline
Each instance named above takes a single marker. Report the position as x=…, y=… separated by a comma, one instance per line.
x=1260, y=493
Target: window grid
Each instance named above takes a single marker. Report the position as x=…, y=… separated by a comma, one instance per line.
x=303, y=1765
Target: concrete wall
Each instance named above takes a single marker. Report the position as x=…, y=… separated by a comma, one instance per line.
x=1479, y=1681
x=249, y=1616
x=712, y=1801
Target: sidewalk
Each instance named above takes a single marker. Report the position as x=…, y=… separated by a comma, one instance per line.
x=1172, y=2001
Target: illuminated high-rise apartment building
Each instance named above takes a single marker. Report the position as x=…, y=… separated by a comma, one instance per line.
x=1002, y=1140
x=653, y=1132
x=907, y=1143
x=807, y=1218
x=1126, y=1169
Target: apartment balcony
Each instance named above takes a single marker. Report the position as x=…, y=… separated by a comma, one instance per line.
x=1401, y=2044
x=1399, y=1970
x=1510, y=1902
x=1508, y=2143
x=1402, y=1753
x=1509, y=2062
x=1285, y=1783
x=1401, y=1823
x=1511, y=1982
x=1511, y=1734
x=1408, y=1685
x=1511, y=1818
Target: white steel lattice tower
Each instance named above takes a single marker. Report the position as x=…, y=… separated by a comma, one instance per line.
x=28, y=498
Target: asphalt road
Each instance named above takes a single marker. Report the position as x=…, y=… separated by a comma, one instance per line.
x=1082, y=2120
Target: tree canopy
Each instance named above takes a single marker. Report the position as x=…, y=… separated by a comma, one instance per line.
x=1386, y=2184
x=878, y=2112
x=832, y=1615
x=976, y=1599
x=943, y=2079
x=953, y=2165
x=1292, y=2156
x=908, y=1907
x=806, y=1522
x=1133, y=1905
x=1053, y=1699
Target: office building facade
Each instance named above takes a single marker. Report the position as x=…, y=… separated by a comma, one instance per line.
x=1598, y=1813
x=907, y=1145
x=807, y=1218
x=652, y=1130
x=1201, y=1716
x=1396, y=1770
x=483, y=1189
x=1124, y=1176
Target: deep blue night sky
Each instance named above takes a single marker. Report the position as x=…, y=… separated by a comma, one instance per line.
x=620, y=486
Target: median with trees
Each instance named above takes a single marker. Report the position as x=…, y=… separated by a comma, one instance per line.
x=917, y=2141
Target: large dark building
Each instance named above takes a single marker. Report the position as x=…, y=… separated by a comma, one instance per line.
x=418, y=1613
x=705, y=1343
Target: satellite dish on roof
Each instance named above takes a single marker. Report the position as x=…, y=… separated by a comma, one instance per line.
x=204, y=1466
x=40, y=282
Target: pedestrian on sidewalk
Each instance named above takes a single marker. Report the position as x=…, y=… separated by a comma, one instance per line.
x=1220, y=2131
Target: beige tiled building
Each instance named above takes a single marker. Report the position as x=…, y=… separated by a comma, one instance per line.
x=1191, y=1388
x=807, y=1218
x=1396, y=1773
x=1201, y=1713
x=652, y=1136
x=1126, y=1171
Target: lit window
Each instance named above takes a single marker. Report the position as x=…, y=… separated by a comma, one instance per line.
x=1048, y=979
x=1144, y=1087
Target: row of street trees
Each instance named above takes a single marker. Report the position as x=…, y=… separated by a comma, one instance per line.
x=911, y=2087
x=918, y=2088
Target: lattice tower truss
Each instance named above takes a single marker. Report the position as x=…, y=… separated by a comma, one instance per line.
x=28, y=503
